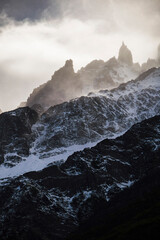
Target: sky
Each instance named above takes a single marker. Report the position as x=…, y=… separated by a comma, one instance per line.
x=38, y=36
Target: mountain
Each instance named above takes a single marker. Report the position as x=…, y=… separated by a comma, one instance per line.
x=53, y=174
x=97, y=75
x=55, y=178
x=66, y=84
x=79, y=123
x=51, y=203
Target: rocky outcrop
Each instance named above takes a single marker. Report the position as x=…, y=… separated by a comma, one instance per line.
x=105, y=75
x=15, y=130
x=47, y=205
x=125, y=55
x=63, y=86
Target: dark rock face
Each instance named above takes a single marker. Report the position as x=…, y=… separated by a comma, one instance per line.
x=53, y=202
x=125, y=55
x=15, y=130
x=38, y=108
x=131, y=214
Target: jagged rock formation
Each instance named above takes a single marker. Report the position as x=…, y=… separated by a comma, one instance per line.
x=47, y=205
x=66, y=84
x=125, y=55
x=63, y=86
x=105, y=75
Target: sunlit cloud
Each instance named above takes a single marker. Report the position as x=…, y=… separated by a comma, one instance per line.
x=30, y=51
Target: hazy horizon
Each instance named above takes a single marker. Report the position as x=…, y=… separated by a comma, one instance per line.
x=37, y=37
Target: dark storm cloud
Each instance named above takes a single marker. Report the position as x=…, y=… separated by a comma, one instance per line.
x=27, y=9
x=142, y=15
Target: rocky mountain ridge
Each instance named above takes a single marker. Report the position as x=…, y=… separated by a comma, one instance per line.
x=97, y=75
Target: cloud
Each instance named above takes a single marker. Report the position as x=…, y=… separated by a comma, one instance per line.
x=34, y=45
x=24, y=9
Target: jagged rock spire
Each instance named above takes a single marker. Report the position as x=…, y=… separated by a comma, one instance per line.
x=69, y=63
x=125, y=55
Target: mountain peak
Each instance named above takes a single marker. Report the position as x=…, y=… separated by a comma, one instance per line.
x=69, y=65
x=66, y=70
x=125, y=55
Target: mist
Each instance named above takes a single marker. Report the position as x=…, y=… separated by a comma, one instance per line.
x=34, y=44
